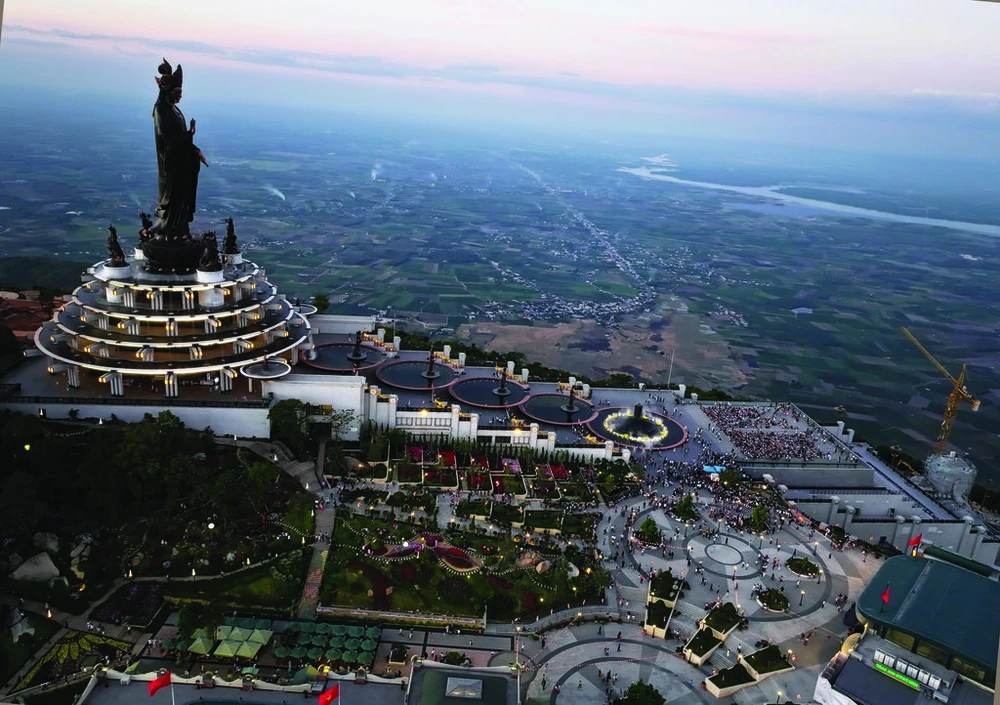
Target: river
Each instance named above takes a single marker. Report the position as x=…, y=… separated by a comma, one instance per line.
x=771, y=192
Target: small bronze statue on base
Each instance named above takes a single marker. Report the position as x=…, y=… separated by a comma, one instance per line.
x=116, y=256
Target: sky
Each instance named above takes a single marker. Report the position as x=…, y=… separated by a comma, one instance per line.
x=910, y=74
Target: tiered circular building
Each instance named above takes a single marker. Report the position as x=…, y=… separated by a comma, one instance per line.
x=186, y=315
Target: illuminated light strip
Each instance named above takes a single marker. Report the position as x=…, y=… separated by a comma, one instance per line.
x=905, y=680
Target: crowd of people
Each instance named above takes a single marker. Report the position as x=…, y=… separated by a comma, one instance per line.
x=766, y=433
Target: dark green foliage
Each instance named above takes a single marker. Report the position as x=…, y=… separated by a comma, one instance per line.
x=759, y=518
x=648, y=531
x=288, y=424
x=641, y=693
x=684, y=509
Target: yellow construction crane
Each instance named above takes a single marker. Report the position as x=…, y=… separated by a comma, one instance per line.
x=958, y=394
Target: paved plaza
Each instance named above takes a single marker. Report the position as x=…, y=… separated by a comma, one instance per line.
x=588, y=663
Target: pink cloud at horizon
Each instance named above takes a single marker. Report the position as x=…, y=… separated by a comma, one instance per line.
x=896, y=46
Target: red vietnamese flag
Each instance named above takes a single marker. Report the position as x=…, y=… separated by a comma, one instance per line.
x=885, y=595
x=330, y=695
x=155, y=685
x=916, y=540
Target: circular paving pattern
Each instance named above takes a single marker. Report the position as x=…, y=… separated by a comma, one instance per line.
x=726, y=555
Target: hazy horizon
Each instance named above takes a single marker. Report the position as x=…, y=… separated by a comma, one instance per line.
x=882, y=79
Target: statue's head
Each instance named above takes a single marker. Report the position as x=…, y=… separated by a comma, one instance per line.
x=170, y=81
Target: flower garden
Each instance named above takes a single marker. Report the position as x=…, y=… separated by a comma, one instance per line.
x=72, y=654
x=135, y=604
x=395, y=566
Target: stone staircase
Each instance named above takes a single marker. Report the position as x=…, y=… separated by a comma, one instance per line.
x=310, y=592
x=314, y=578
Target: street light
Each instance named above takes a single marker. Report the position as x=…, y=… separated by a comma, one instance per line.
x=820, y=576
x=802, y=597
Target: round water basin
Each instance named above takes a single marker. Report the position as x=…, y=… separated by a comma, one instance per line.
x=555, y=409
x=412, y=375
x=339, y=357
x=488, y=392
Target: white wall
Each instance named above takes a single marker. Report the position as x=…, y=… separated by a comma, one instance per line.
x=341, y=325
x=340, y=392
x=224, y=421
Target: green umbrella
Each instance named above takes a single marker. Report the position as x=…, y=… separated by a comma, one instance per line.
x=319, y=640
x=299, y=652
x=201, y=646
x=282, y=651
x=373, y=633
x=368, y=645
x=240, y=634
x=323, y=628
x=293, y=627
x=199, y=633
x=339, y=629
x=250, y=671
x=304, y=639
x=222, y=633
x=337, y=642
x=305, y=675
x=262, y=624
x=315, y=653
x=308, y=627
x=366, y=658
x=350, y=656
x=248, y=649
x=227, y=648
x=181, y=645
x=352, y=644
x=247, y=623
x=356, y=631
x=261, y=636
x=230, y=621
x=333, y=655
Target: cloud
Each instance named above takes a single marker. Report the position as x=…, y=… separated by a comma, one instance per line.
x=819, y=103
x=743, y=37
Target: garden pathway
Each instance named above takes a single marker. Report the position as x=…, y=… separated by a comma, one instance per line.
x=314, y=578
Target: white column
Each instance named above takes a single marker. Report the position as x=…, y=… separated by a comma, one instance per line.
x=510, y=368
x=446, y=350
x=170, y=385
x=456, y=413
x=966, y=531
x=226, y=377
x=834, y=505
x=393, y=402
x=896, y=529
x=609, y=450
x=848, y=518
x=380, y=335
x=534, y=435
x=73, y=376
x=461, y=359
x=114, y=381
